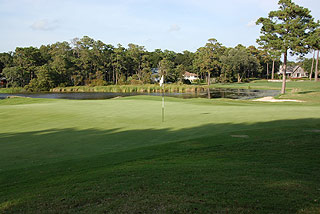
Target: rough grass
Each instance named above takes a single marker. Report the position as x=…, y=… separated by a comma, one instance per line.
x=116, y=156
x=148, y=88
x=12, y=90
x=292, y=87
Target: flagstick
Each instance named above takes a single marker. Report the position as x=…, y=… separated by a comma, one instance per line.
x=163, y=103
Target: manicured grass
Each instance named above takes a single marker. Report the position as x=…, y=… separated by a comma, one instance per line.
x=116, y=156
x=294, y=86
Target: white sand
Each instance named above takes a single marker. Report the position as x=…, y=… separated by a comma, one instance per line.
x=271, y=99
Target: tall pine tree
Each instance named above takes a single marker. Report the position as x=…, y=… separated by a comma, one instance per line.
x=287, y=30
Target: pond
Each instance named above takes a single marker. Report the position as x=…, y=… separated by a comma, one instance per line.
x=242, y=94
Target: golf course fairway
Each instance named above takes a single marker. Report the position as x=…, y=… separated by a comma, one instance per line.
x=116, y=156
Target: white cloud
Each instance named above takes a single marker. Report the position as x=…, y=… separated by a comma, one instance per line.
x=44, y=25
x=251, y=23
x=174, y=28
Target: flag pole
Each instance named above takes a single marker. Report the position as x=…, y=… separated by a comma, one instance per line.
x=163, y=103
x=162, y=85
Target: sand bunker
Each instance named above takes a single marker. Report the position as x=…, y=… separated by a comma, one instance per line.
x=271, y=99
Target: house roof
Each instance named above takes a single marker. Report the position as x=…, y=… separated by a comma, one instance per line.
x=155, y=70
x=188, y=74
x=291, y=69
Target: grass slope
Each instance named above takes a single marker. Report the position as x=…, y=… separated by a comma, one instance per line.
x=115, y=156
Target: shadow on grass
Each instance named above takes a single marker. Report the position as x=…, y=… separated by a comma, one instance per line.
x=198, y=170
x=306, y=92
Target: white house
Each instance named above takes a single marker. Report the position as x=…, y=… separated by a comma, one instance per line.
x=190, y=76
x=294, y=71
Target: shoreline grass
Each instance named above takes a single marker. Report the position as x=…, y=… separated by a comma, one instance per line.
x=12, y=90
x=148, y=88
x=292, y=87
x=260, y=84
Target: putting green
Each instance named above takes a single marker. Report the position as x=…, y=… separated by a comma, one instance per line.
x=117, y=156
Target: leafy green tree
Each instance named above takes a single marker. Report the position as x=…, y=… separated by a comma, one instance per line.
x=275, y=57
x=61, y=63
x=265, y=56
x=146, y=69
x=306, y=64
x=207, y=59
x=28, y=59
x=287, y=29
x=155, y=57
x=6, y=60
x=166, y=68
x=43, y=81
x=135, y=54
x=180, y=71
x=169, y=55
x=314, y=42
x=186, y=59
x=15, y=76
x=312, y=64
x=102, y=59
x=237, y=63
x=317, y=71
x=119, y=63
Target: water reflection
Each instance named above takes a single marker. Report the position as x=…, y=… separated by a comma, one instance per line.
x=209, y=94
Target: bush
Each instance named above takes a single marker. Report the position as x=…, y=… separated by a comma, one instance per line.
x=136, y=82
x=186, y=81
x=37, y=85
x=97, y=82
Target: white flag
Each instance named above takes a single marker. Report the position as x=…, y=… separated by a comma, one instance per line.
x=161, y=81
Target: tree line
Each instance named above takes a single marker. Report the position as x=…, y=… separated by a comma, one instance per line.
x=86, y=61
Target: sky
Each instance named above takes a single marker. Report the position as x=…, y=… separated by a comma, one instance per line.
x=176, y=25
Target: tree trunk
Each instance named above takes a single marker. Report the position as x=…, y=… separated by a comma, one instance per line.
x=113, y=78
x=267, y=70
x=209, y=95
x=284, y=72
x=239, y=78
x=117, y=76
x=317, y=72
x=208, y=78
x=314, y=53
x=272, y=74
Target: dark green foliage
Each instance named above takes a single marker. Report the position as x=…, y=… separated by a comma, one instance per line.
x=15, y=76
x=306, y=64
x=207, y=59
x=288, y=29
x=237, y=64
x=86, y=62
x=166, y=69
x=6, y=60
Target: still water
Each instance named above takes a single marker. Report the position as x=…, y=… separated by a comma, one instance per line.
x=242, y=94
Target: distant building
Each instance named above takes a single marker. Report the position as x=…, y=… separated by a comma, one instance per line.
x=190, y=76
x=155, y=77
x=294, y=71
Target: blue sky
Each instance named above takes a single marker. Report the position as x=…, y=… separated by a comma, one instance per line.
x=166, y=24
